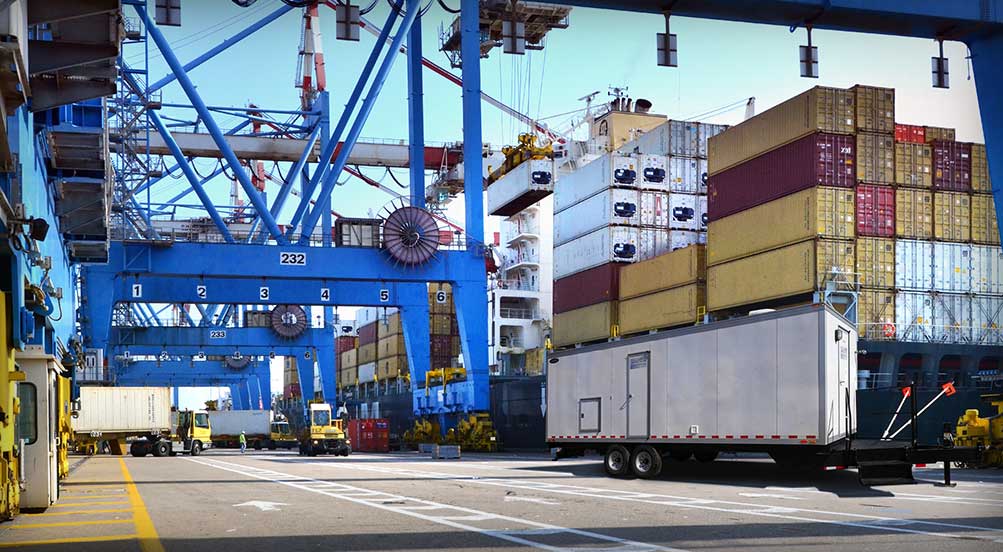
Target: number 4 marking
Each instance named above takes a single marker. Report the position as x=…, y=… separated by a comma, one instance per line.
x=263, y=293
x=325, y=294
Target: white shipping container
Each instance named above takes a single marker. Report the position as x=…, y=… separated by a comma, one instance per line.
x=609, y=170
x=367, y=372
x=229, y=423
x=952, y=318
x=684, y=175
x=652, y=172
x=987, y=269
x=683, y=212
x=684, y=138
x=913, y=316
x=913, y=265
x=705, y=131
x=952, y=267
x=135, y=410
x=702, y=212
x=614, y=206
x=654, y=209
x=702, y=237
x=702, y=175
x=524, y=185
x=653, y=242
x=607, y=244
x=987, y=317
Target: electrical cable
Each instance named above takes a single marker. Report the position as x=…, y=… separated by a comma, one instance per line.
x=443, y=5
x=394, y=178
x=299, y=3
x=244, y=3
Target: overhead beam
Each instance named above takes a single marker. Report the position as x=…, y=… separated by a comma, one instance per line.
x=51, y=11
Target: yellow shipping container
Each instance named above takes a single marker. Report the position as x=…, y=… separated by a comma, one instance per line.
x=390, y=346
x=391, y=325
x=348, y=377
x=913, y=214
x=678, y=268
x=939, y=133
x=913, y=165
x=875, y=108
x=441, y=324
x=663, y=309
x=952, y=216
x=349, y=358
x=985, y=227
x=623, y=126
x=534, y=362
x=440, y=298
x=819, y=109
x=367, y=353
x=875, y=158
x=781, y=273
x=980, y=170
x=454, y=346
x=590, y=323
x=876, y=313
x=876, y=262
x=392, y=367
x=816, y=212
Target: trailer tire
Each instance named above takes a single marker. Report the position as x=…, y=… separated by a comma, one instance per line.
x=705, y=455
x=681, y=455
x=161, y=448
x=257, y=445
x=196, y=449
x=138, y=449
x=646, y=462
x=271, y=445
x=617, y=461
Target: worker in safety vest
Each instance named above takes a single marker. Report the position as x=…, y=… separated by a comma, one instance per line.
x=243, y=442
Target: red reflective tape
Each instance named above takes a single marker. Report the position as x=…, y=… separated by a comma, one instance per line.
x=920, y=465
x=743, y=436
x=792, y=436
x=810, y=437
x=703, y=436
x=623, y=436
x=689, y=436
x=665, y=436
x=804, y=442
x=654, y=436
x=760, y=437
x=715, y=436
x=676, y=437
x=729, y=436
x=774, y=436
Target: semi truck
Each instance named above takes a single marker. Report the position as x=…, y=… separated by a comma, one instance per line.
x=191, y=435
x=780, y=382
x=227, y=425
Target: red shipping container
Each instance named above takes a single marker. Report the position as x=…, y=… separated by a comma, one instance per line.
x=441, y=345
x=367, y=334
x=952, y=166
x=875, y=211
x=913, y=134
x=595, y=285
x=819, y=159
x=344, y=343
x=291, y=390
x=371, y=435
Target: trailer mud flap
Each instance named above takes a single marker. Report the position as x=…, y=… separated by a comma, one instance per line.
x=885, y=472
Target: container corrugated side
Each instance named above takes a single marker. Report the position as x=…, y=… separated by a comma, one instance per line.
x=390, y=346
x=933, y=134
x=913, y=214
x=913, y=316
x=609, y=170
x=875, y=109
x=987, y=320
x=441, y=324
x=952, y=216
x=392, y=367
x=662, y=309
x=367, y=372
x=914, y=134
x=607, y=244
x=980, y=170
x=818, y=109
x=952, y=267
x=952, y=318
x=816, y=160
x=684, y=175
x=780, y=273
x=875, y=211
x=815, y=212
x=987, y=269
x=985, y=227
x=876, y=262
x=654, y=242
x=349, y=358
x=524, y=185
x=588, y=287
x=707, y=131
x=123, y=409
x=913, y=165
x=232, y=422
x=875, y=158
x=367, y=353
x=876, y=313
x=583, y=325
x=612, y=206
x=654, y=141
x=684, y=138
x=654, y=209
x=914, y=265
x=952, y=166
x=678, y=268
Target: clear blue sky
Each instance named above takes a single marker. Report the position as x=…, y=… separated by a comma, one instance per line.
x=719, y=63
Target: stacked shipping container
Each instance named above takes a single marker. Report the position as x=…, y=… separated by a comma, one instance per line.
x=638, y=203
x=916, y=231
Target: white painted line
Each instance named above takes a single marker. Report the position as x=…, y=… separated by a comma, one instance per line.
x=531, y=499
x=511, y=536
x=770, y=495
x=724, y=506
x=263, y=505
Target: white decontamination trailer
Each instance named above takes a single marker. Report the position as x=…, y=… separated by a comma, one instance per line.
x=782, y=382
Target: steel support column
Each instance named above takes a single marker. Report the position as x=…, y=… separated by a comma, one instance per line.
x=414, y=323
x=304, y=370
x=237, y=396
x=987, y=51
x=253, y=392
x=327, y=364
x=416, y=115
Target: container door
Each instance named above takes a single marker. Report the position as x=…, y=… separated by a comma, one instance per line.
x=638, y=395
x=843, y=400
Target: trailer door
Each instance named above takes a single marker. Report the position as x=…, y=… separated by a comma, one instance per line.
x=843, y=400
x=638, y=401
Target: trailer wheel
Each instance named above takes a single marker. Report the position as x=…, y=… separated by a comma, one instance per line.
x=617, y=461
x=257, y=445
x=196, y=449
x=705, y=455
x=161, y=448
x=681, y=455
x=646, y=462
x=271, y=445
x=138, y=449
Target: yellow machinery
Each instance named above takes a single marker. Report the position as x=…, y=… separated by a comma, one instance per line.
x=424, y=431
x=65, y=425
x=524, y=151
x=9, y=466
x=325, y=434
x=193, y=435
x=974, y=430
x=281, y=436
x=475, y=433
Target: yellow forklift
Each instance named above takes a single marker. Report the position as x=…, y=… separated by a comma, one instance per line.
x=324, y=434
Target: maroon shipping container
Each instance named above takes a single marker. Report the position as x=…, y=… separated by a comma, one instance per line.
x=371, y=435
x=588, y=287
x=367, y=334
x=344, y=343
x=441, y=345
x=819, y=159
x=876, y=211
x=952, y=166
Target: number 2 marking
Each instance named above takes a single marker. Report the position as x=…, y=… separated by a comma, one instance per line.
x=292, y=259
x=200, y=291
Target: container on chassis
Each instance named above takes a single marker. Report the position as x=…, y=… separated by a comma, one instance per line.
x=521, y=187
x=781, y=383
x=227, y=425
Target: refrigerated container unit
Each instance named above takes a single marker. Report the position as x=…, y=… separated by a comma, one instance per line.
x=952, y=216
x=913, y=214
x=682, y=212
x=875, y=211
x=952, y=267
x=876, y=263
x=652, y=171
x=819, y=159
x=585, y=325
x=914, y=265
x=952, y=166
x=367, y=372
x=609, y=171
x=596, y=285
x=875, y=158
x=617, y=244
x=610, y=207
x=702, y=213
x=781, y=383
x=521, y=187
